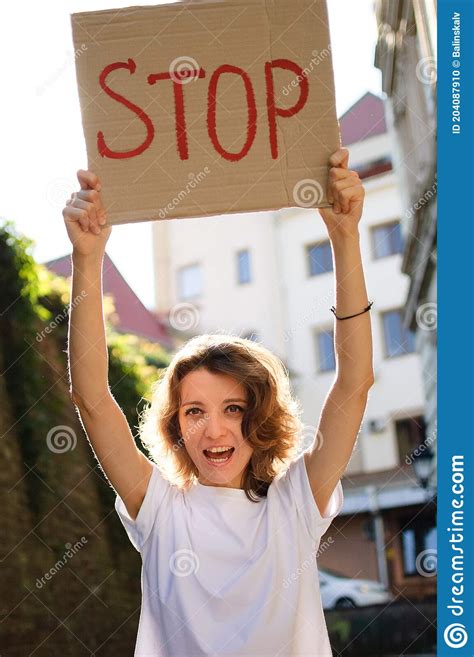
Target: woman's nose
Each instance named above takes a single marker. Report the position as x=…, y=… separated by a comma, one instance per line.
x=215, y=425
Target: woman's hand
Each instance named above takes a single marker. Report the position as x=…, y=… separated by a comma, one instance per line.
x=346, y=192
x=85, y=216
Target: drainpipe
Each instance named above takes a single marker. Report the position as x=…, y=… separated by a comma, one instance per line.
x=377, y=518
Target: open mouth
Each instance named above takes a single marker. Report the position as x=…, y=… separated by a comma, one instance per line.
x=219, y=458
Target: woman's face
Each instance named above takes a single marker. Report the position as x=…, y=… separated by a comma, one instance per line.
x=210, y=416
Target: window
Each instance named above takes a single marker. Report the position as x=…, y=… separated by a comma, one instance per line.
x=398, y=340
x=411, y=433
x=327, y=359
x=375, y=167
x=243, y=266
x=419, y=539
x=319, y=258
x=387, y=239
x=190, y=282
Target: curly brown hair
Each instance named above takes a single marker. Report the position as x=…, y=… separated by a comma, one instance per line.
x=271, y=422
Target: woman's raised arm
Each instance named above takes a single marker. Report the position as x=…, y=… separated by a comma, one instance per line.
x=127, y=469
x=345, y=404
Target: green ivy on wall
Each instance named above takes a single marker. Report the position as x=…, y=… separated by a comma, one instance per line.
x=33, y=299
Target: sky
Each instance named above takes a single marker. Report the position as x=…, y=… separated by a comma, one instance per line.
x=41, y=138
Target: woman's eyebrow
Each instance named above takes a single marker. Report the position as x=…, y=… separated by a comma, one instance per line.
x=226, y=401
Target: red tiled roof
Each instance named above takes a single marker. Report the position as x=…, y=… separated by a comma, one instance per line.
x=133, y=316
x=364, y=119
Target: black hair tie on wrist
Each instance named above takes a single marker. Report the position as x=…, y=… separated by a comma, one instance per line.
x=333, y=310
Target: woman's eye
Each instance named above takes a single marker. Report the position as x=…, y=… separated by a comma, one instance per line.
x=190, y=410
x=236, y=407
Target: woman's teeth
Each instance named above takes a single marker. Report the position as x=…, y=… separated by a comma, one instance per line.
x=218, y=456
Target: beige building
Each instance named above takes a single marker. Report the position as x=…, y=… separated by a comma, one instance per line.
x=269, y=275
x=406, y=54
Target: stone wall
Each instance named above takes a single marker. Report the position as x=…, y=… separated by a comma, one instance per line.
x=70, y=580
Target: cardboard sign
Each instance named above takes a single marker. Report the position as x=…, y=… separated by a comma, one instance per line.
x=194, y=109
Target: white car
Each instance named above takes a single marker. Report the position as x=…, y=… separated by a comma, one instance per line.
x=340, y=592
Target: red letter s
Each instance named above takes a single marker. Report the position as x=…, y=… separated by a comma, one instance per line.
x=104, y=150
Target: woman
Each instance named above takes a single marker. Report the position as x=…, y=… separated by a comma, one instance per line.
x=226, y=516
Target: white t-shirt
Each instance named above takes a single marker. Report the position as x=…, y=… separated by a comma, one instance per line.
x=224, y=576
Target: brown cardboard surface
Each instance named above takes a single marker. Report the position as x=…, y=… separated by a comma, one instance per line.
x=214, y=57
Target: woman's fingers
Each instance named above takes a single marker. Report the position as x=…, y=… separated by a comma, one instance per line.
x=88, y=180
x=344, y=189
x=350, y=197
x=340, y=188
x=76, y=214
x=335, y=173
x=340, y=179
x=338, y=173
x=346, y=196
x=340, y=158
x=92, y=197
x=88, y=207
x=89, y=199
x=339, y=163
x=83, y=212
